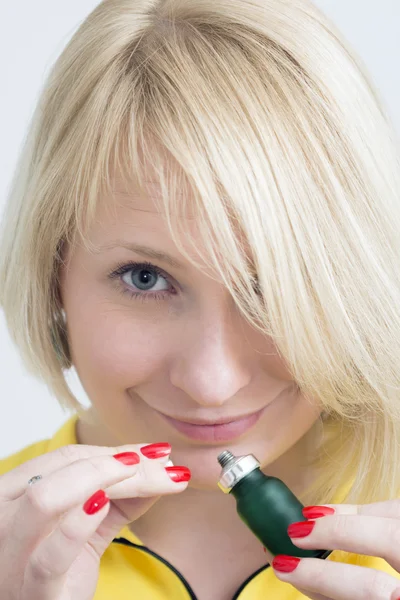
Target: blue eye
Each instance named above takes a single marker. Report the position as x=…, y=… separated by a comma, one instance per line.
x=144, y=281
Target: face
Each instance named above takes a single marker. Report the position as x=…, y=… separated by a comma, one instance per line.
x=163, y=353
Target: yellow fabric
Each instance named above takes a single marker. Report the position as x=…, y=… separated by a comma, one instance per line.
x=128, y=572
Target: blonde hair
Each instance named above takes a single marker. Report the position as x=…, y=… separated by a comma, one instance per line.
x=275, y=129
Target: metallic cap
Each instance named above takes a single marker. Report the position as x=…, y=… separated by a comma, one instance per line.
x=234, y=469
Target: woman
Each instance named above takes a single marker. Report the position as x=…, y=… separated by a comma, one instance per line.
x=203, y=224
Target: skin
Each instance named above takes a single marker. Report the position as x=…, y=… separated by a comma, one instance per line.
x=190, y=355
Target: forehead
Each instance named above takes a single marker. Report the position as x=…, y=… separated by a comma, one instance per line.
x=126, y=205
x=128, y=196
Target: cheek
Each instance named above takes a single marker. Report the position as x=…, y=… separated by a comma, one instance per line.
x=114, y=345
x=288, y=421
x=293, y=413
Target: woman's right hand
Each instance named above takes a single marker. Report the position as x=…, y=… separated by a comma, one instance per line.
x=50, y=546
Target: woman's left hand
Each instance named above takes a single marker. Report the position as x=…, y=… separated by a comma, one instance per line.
x=369, y=529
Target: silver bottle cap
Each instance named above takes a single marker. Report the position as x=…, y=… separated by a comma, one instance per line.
x=234, y=468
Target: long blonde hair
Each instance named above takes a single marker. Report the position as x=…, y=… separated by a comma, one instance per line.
x=273, y=125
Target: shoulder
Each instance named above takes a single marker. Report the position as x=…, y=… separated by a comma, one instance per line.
x=64, y=436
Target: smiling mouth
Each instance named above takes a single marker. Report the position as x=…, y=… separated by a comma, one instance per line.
x=220, y=430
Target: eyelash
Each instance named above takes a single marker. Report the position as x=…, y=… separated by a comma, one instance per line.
x=143, y=296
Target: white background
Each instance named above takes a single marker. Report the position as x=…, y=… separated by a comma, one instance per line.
x=32, y=35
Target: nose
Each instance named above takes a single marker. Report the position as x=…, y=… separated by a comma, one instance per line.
x=214, y=358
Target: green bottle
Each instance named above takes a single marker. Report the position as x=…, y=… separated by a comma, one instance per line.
x=265, y=504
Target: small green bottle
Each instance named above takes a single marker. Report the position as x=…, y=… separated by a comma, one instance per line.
x=265, y=504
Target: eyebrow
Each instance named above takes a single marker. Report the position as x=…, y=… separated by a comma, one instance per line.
x=144, y=251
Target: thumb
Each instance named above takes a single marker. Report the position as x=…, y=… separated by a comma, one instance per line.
x=125, y=507
x=120, y=515
x=132, y=504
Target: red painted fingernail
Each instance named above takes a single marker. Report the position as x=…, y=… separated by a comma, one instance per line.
x=96, y=502
x=179, y=474
x=156, y=450
x=284, y=563
x=128, y=458
x=315, y=512
x=300, y=530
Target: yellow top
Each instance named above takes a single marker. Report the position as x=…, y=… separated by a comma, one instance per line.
x=130, y=569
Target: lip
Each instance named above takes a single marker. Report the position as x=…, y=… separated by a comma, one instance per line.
x=220, y=430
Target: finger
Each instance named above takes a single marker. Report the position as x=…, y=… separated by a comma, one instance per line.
x=396, y=594
x=151, y=480
x=128, y=509
x=270, y=558
x=369, y=535
x=123, y=489
x=38, y=510
x=137, y=495
x=389, y=509
x=13, y=484
x=313, y=596
x=121, y=513
x=51, y=560
x=336, y=581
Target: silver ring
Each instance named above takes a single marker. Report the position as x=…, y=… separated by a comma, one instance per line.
x=35, y=479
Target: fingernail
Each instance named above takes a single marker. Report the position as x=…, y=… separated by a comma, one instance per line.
x=96, y=502
x=128, y=458
x=156, y=450
x=284, y=563
x=179, y=474
x=315, y=512
x=300, y=530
